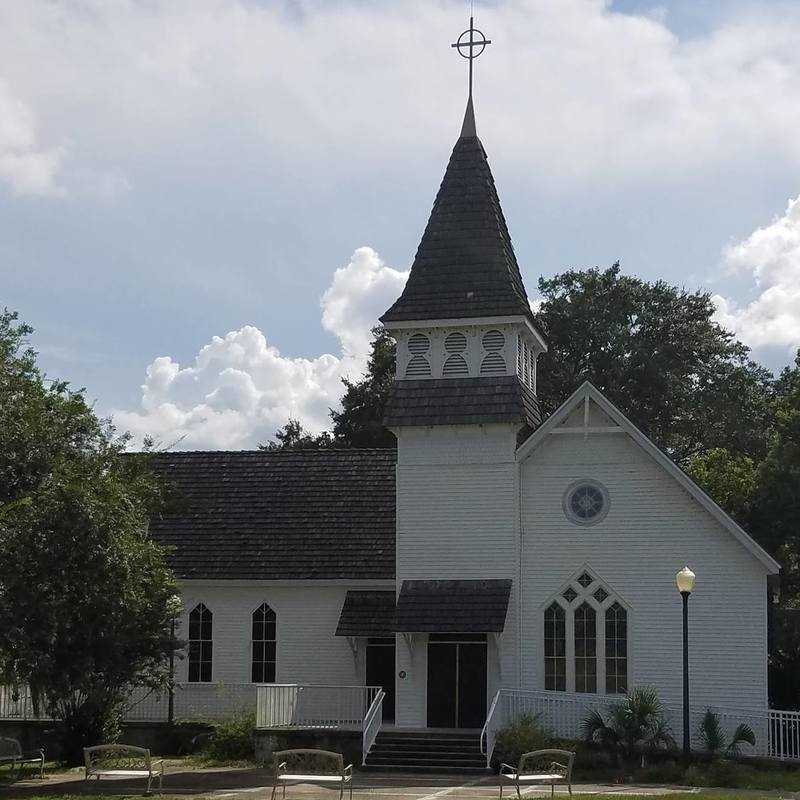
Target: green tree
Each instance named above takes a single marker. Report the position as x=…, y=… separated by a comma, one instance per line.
x=293, y=436
x=656, y=352
x=84, y=592
x=360, y=422
x=729, y=478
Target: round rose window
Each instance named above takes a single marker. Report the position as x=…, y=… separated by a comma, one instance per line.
x=586, y=502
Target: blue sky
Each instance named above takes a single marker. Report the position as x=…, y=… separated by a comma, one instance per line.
x=172, y=172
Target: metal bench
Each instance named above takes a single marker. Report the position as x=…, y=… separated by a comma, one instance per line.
x=312, y=766
x=539, y=767
x=11, y=753
x=122, y=761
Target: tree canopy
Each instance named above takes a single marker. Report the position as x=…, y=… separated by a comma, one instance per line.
x=85, y=594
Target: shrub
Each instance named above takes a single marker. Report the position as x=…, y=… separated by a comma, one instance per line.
x=523, y=736
x=631, y=728
x=232, y=739
x=714, y=740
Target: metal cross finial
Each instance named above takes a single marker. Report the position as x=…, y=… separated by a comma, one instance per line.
x=468, y=41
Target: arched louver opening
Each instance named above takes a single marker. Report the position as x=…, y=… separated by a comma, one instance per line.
x=201, y=644
x=418, y=344
x=418, y=366
x=493, y=364
x=493, y=340
x=264, y=645
x=455, y=365
x=455, y=342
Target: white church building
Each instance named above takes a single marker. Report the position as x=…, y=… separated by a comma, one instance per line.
x=495, y=562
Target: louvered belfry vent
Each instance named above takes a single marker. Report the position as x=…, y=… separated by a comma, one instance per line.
x=493, y=364
x=419, y=344
x=493, y=340
x=418, y=367
x=455, y=365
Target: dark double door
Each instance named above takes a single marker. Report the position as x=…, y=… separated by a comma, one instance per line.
x=456, y=680
x=380, y=670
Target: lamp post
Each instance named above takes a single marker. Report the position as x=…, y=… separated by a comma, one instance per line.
x=685, y=582
x=174, y=607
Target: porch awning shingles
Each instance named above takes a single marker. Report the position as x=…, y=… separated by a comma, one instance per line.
x=465, y=606
x=367, y=613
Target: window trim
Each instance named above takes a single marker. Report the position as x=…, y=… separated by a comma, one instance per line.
x=586, y=594
x=252, y=642
x=570, y=514
x=189, y=641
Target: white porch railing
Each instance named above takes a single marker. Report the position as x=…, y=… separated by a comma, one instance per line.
x=777, y=732
x=202, y=701
x=371, y=725
x=295, y=705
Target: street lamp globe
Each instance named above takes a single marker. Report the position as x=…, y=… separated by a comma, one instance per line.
x=685, y=580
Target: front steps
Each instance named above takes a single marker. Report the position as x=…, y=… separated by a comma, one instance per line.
x=427, y=751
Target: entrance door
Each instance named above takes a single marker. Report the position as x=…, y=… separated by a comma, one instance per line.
x=380, y=670
x=456, y=680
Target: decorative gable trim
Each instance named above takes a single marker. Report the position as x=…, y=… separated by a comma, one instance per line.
x=588, y=393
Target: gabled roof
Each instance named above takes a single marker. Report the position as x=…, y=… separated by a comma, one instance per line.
x=587, y=392
x=465, y=265
x=307, y=514
x=461, y=401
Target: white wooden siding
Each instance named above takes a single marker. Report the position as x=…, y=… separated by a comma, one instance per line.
x=652, y=529
x=307, y=615
x=457, y=519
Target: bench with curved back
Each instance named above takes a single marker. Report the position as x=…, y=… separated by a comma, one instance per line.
x=122, y=761
x=11, y=753
x=312, y=766
x=540, y=767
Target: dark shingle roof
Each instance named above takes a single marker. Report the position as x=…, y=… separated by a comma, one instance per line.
x=476, y=606
x=299, y=514
x=461, y=401
x=465, y=265
x=367, y=613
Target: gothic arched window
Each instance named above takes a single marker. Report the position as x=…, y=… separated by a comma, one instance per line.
x=264, y=645
x=201, y=644
x=555, y=648
x=585, y=641
x=616, y=649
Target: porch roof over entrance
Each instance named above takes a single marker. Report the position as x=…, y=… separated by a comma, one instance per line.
x=476, y=606
x=367, y=613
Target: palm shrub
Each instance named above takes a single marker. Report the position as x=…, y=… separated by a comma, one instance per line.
x=633, y=727
x=716, y=743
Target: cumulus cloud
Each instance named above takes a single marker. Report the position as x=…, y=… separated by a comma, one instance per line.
x=28, y=168
x=771, y=255
x=240, y=388
x=172, y=79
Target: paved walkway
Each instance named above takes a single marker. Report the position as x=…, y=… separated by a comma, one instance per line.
x=247, y=784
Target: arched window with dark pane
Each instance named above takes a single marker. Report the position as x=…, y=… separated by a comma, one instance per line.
x=555, y=648
x=616, y=649
x=585, y=649
x=201, y=644
x=263, y=664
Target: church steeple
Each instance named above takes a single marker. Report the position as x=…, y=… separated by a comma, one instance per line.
x=467, y=338
x=465, y=265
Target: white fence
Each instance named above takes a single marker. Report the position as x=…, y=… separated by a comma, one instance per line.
x=200, y=701
x=371, y=725
x=777, y=732
x=313, y=706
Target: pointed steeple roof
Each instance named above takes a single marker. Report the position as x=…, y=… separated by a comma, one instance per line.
x=465, y=265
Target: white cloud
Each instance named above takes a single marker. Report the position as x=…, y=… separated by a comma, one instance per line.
x=24, y=165
x=771, y=255
x=240, y=388
x=223, y=81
